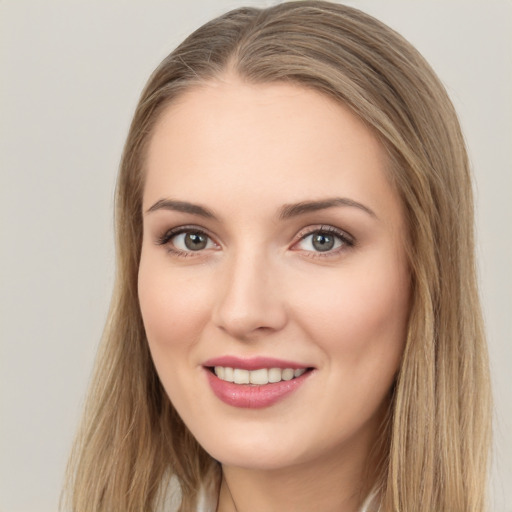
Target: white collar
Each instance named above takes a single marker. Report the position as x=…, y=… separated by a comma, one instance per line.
x=369, y=504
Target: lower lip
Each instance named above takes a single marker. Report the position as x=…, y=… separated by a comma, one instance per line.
x=250, y=396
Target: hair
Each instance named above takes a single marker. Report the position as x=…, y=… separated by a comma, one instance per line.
x=437, y=433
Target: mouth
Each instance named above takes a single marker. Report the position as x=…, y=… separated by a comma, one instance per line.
x=258, y=377
x=254, y=383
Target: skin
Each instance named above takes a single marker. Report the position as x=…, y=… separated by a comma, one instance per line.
x=261, y=288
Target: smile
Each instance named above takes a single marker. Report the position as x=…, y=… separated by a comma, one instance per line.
x=254, y=383
x=258, y=377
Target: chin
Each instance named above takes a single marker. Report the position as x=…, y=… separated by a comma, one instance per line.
x=255, y=458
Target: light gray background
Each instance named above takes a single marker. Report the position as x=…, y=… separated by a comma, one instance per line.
x=70, y=75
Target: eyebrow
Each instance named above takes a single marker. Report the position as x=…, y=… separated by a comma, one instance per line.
x=293, y=210
x=286, y=212
x=181, y=206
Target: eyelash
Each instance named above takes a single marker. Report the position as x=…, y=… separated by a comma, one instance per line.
x=171, y=233
x=347, y=241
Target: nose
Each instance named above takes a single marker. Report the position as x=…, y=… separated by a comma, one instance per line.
x=249, y=302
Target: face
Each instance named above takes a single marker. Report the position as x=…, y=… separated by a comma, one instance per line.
x=273, y=283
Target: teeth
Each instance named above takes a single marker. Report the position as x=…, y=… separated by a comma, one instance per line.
x=240, y=376
x=228, y=374
x=274, y=375
x=287, y=374
x=257, y=377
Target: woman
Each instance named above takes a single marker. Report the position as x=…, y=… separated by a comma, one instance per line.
x=295, y=324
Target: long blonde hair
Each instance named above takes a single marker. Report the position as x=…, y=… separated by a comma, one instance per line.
x=438, y=430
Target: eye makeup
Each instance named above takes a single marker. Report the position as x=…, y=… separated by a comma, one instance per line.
x=315, y=241
x=194, y=240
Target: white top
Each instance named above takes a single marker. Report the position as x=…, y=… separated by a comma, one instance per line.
x=369, y=504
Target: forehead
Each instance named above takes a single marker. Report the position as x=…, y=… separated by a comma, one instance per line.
x=281, y=142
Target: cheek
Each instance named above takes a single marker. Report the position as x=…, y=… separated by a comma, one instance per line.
x=172, y=305
x=174, y=314
x=358, y=316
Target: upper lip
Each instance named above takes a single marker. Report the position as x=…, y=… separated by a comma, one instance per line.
x=253, y=363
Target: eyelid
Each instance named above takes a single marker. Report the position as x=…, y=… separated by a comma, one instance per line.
x=324, y=228
x=347, y=239
x=168, y=234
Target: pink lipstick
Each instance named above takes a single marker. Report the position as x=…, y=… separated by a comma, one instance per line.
x=254, y=382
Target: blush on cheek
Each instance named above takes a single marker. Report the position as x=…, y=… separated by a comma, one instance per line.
x=171, y=310
x=359, y=314
x=163, y=321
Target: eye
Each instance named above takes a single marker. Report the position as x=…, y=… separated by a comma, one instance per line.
x=324, y=240
x=186, y=240
x=191, y=241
